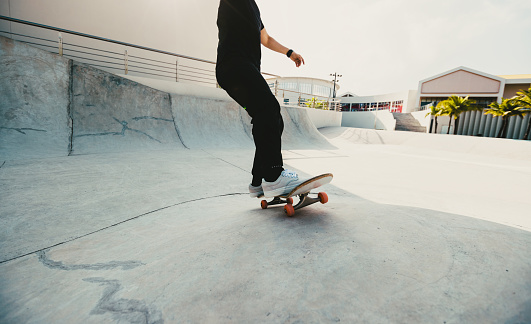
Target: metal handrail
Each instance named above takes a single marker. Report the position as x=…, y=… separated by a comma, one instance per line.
x=25, y=22
x=62, y=30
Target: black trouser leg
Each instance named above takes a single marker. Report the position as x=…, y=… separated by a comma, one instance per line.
x=244, y=83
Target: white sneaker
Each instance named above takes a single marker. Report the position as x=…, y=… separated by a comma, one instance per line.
x=256, y=192
x=283, y=185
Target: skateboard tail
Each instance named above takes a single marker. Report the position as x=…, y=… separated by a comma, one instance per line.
x=311, y=184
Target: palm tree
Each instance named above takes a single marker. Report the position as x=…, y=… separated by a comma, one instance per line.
x=455, y=106
x=506, y=109
x=523, y=100
x=436, y=112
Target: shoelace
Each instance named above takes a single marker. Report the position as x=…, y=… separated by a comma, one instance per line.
x=289, y=174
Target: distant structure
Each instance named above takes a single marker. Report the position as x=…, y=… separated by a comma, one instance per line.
x=301, y=91
x=484, y=88
x=394, y=102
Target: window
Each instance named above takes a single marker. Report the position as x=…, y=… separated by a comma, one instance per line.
x=322, y=91
x=292, y=86
x=396, y=106
x=384, y=105
x=305, y=88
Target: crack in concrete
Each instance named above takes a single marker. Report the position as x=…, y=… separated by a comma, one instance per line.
x=3, y=164
x=122, y=222
x=69, y=107
x=21, y=130
x=125, y=128
x=218, y=158
x=152, y=118
x=123, y=310
x=128, y=310
x=125, y=265
x=175, y=123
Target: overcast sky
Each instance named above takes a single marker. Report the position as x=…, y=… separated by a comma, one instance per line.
x=379, y=46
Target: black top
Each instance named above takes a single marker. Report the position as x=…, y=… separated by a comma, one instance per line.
x=239, y=26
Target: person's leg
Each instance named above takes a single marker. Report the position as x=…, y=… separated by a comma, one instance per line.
x=257, y=170
x=245, y=85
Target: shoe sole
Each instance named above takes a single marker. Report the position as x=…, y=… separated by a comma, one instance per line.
x=279, y=191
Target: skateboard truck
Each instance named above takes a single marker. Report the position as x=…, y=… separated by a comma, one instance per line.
x=304, y=200
x=303, y=192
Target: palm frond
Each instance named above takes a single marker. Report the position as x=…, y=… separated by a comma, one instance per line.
x=507, y=108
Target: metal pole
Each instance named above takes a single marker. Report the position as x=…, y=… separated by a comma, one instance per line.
x=60, y=44
x=126, y=62
x=9, y=11
x=335, y=75
x=335, y=78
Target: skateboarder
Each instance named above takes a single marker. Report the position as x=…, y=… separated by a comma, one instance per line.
x=241, y=34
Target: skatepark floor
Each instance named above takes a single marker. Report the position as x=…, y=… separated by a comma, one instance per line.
x=411, y=234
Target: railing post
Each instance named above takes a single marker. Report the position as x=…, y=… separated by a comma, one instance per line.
x=176, y=70
x=126, y=62
x=60, y=44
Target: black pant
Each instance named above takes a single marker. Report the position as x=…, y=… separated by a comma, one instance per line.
x=244, y=83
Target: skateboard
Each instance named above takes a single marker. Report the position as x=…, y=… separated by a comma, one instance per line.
x=303, y=192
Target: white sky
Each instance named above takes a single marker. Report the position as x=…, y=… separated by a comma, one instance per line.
x=379, y=46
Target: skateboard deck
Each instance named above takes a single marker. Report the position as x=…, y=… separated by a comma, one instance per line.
x=303, y=192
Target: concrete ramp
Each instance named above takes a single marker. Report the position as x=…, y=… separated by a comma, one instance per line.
x=34, y=102
x=58, y=107
x=211, y=123
x=300, y=132
x=113, y=114
x=485, y=146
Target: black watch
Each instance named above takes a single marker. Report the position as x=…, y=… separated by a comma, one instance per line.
x=288, y=54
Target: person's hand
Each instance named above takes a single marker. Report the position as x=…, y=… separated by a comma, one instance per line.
x=297, y=58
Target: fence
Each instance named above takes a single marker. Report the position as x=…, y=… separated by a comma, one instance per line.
x=476, y=123
x=113, y=55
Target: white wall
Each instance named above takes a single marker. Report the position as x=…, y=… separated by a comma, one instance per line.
x=382, y=119
x=324, y=118
x=411, y=103
x=420, y=116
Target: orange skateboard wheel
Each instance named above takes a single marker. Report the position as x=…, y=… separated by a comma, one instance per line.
x=263, y=203
x=323, y=197
x=289, y=210
x=290, y=200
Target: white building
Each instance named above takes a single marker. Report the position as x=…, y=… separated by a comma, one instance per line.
x=394, y=102
x=301, y=91
x=484, y=88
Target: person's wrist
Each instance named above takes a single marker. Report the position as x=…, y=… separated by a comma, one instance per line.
x=288, y=54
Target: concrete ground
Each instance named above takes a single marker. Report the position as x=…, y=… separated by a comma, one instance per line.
x=411, y=234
